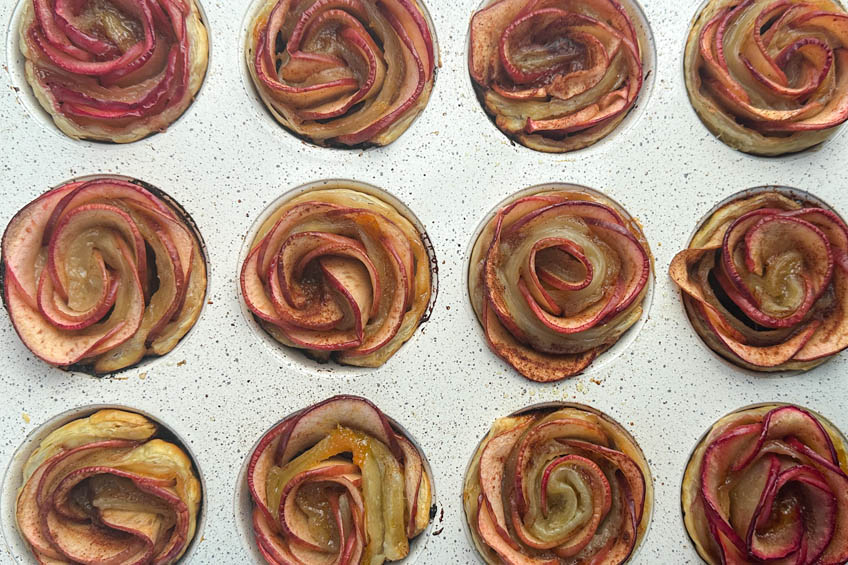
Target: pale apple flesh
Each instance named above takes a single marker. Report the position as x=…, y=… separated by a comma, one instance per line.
x=766, y=283
x=114, y=71
x=338, y=272
x=555, y=279
x=116, y=496
x=352, y=72
x=337, y=483
x=557, y=486
x=78, y=286
x=556, y=75
x=768, y=484
x=769, y=77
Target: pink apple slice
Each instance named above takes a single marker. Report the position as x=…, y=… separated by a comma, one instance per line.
x=489, y=534
x=492, y=472
x=348, y=411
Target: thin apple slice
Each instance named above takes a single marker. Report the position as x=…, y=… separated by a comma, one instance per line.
x=294, y=524
x=363, y=87
x=22, y=240
x=492, y=472
x=348, y=411
x=103, y=489
x=61, y=347
x=486, y=529
x=338, y=456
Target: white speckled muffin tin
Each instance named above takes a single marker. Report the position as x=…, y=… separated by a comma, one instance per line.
x=226, y=160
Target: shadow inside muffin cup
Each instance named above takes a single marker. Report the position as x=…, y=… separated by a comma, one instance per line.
x=16, y=545
x=800, y=196
x=243, y=503
x=627, y=338
x=265, y=114
x=644, y=34
x=648, y=512
x=147, y=360
x=16, y=62
x=301, y=357
x=829, y=426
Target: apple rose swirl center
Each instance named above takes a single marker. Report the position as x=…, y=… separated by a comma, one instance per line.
x=114, y=63
x=116, y=497
x=771, y=488
x=556, y=489
x=564, y=278
x=555, y=68
x=777, y=67
x=772, y=289
x=347, y=71
x=334, y=487
x=332, y=278
x=101, y=271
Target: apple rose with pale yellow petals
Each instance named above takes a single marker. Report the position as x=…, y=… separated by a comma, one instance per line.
x=79, y=284
x=769, y=485
x=765, y=283
x=336, y=483
x=769, y=76
x=557, y=486
x=556, y=75
x=114, y=70
x=338, y=271
x=349, y=72
x=101, y=489
x=556, y=278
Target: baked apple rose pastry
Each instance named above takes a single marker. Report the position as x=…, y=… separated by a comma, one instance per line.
x=101, y=273
x=104, y=489
x=114, y=70
x=765, y=282
x=769, y=77
x=556, y=75
x=337, y=483
x=343, y=72
x=557, y=485
x=556, y=278
x=339, y=272
x=768, y=485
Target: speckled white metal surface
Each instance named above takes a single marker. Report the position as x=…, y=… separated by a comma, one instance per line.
x=226, y=160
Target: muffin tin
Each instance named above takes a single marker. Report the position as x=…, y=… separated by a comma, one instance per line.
x=227, y=159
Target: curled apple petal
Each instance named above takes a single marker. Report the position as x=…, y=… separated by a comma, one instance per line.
x=556, y=76
x=338, y=272
x=557, y=485
x=343, y=72
x=767, y=484
x=79, y=286
x=764, y=282
x=104, y=489
x=769, y=77
x=555, y=279
x=114, y=71
x=337, y=483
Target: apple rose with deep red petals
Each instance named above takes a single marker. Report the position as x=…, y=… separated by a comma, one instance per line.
x=768, y=485
x=337, y=483
x=114, y=70
x=102, y=489
x=556, y=278
x=102, y=272
x=557, y=486
x=765, y=283
x=556, y=75
x=339, y=272
x=769, y=77
x=343, y=72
